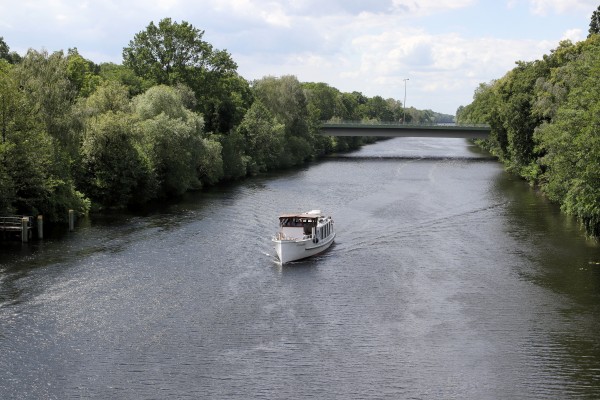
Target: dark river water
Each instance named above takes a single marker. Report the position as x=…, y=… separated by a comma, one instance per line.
x=449, y=279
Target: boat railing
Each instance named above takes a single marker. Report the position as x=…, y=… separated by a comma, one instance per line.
x=282, y=236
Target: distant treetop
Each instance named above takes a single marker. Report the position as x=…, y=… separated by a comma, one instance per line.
x=595, y=23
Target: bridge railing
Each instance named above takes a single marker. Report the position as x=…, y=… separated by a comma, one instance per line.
x=341, y=124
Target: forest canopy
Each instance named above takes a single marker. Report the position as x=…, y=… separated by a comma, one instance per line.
x=545, y=120
x=174, y=116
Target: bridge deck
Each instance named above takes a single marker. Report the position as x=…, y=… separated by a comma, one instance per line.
x=399, y=130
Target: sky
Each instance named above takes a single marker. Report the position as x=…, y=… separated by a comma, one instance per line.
x=445, y=48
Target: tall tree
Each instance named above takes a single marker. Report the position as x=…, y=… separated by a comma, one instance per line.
x=50, y=94
x=376, y=108
x=125, y=76
x=115, y=171
x=168, y=53
x=595, y=23
x=44, y=145
x=173, y=52
x=263, y=137
x=4, y=49
x=5, y=53
x=10, y=97
x=81, y=73
x=172, y=138
x=285, y=98
x=9, y=113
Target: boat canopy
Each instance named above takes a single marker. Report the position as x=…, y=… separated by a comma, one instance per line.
x=304, y=215
x=305, y=219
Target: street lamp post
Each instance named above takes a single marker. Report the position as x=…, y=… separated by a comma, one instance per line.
x=404, y=104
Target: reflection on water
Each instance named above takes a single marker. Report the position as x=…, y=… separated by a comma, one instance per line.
x=448, y=279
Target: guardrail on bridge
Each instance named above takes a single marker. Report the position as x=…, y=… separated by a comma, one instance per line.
x=391, y=129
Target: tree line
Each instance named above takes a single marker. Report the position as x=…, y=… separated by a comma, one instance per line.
x=545, y=120
x=174, y=116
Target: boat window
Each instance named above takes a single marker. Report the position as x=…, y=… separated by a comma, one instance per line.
x=307, y=229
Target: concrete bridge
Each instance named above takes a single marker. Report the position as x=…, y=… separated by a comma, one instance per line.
x=395, y=129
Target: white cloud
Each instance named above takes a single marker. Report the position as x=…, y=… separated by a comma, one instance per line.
x=270, y=12
x=166, y=4
x=443, y=69
x=427, y=7
x=574, y=35
x=368, y=46
x=544, y=7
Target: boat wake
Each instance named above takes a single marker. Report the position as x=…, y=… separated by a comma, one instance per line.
x=412, y=229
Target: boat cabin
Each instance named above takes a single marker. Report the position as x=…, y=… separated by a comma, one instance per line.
x=298, y=226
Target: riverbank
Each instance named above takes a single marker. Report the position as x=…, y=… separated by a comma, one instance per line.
x=544, y=122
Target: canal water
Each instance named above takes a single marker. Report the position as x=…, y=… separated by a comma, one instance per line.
x=449, y=279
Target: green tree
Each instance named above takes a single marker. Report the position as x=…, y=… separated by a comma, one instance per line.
x=570, y=141
x=324, y=103
x=81, y=73
x=6, y=54
x=210, y=165
x=49, y=93
x=4, y=50
x=223, y=96
x=110, y=96
x=285, y=98
x=168, y=53
x=485, y=109
x=116, y=172
x=158, y=100
x=324, y=98
x=40, y=141
x=264, y=139
x=544, y=119
x=9, y=111
x=173, y=52
x=7, y=186
x=125, y=76
x=233, y=155
x=376, y=108
x=172, y=137
x=595, y=23
x=113, y=169
x=10, y=100
x=349, y=107
x=551, y=91
x=515, y=107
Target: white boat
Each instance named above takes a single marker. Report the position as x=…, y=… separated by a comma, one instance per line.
x=303, y=235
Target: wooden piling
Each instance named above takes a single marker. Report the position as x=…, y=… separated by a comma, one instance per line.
x=40, y=226
x=71, y=220
x=24, y=229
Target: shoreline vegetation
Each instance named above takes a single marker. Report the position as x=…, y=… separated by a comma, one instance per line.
x=545, y=120
x=175, y=116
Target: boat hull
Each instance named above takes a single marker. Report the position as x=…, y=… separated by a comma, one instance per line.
x=292, y=250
